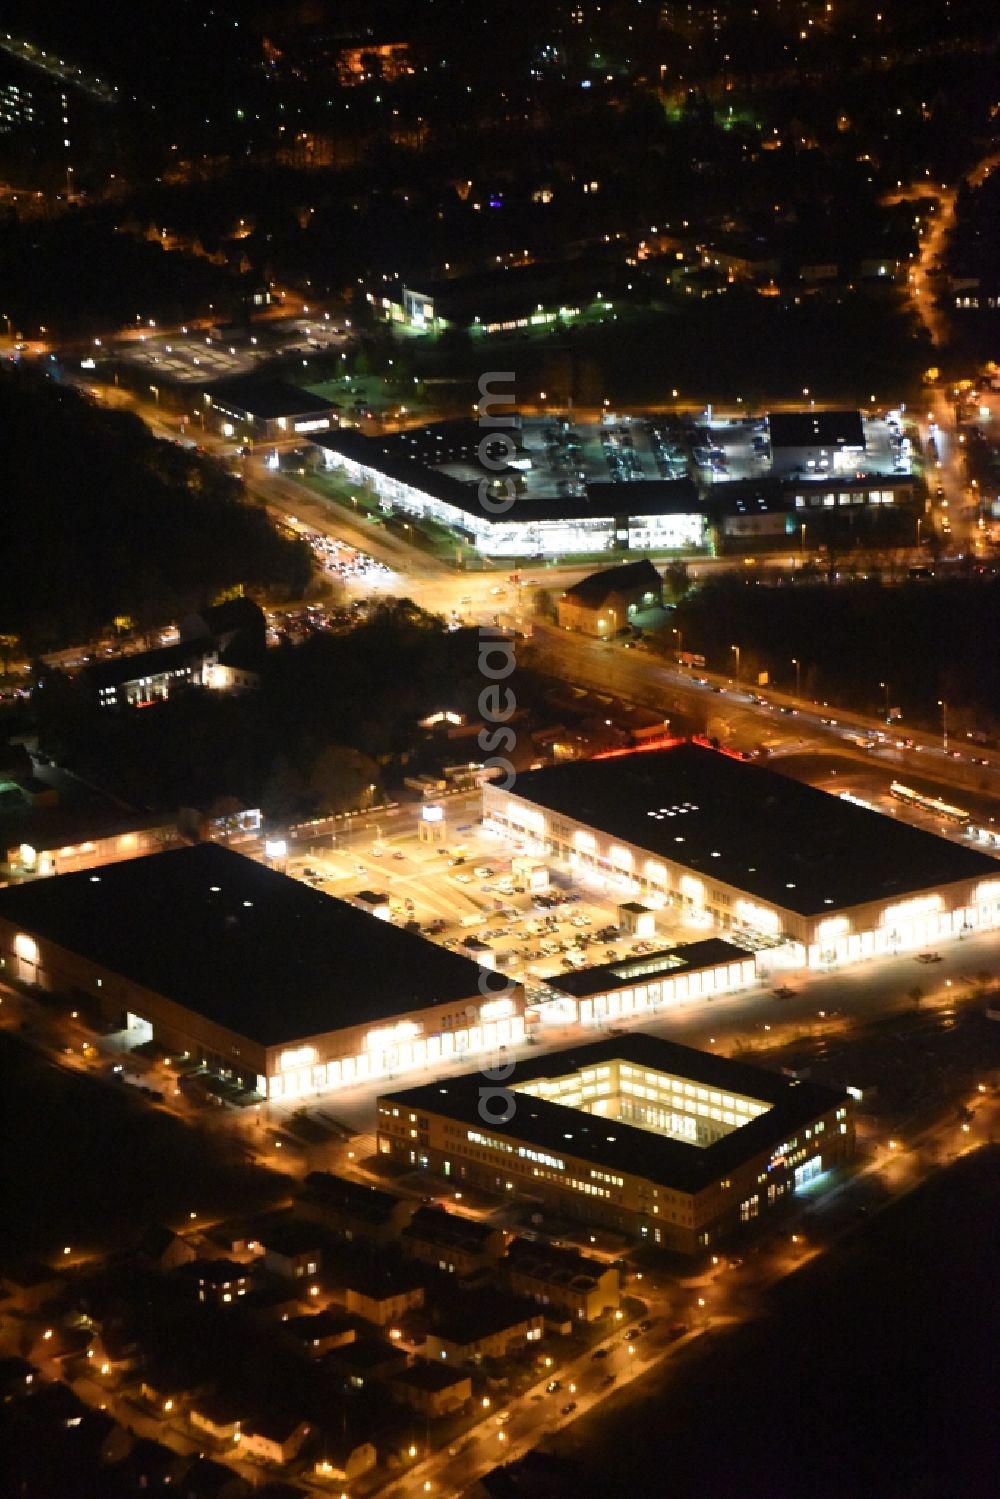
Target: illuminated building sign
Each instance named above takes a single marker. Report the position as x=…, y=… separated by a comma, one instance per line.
x=301, y=1056
x=391, y=1035
x=910, y=910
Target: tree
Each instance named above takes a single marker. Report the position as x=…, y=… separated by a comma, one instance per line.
x=543, y=604
x=343, y=779
x=676, y=580
x=285, y=792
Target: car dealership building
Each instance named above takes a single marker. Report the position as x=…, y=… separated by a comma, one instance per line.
x=754, y=851
x=262, y=978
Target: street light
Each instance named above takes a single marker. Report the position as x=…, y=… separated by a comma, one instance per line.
x=802, y=539
x=885, y=687
x=680, y=642
x=736, y=650
x=944, y=724
x=798, y=675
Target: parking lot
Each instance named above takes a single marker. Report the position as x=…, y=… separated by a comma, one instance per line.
x=466, y=890
x=199, y=355
x=738, y=448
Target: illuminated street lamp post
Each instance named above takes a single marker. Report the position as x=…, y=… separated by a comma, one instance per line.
x=680, y=642
x=798, y=675
x=885, y=688
x=736, y=651
x=944, y=724
x=802, y=539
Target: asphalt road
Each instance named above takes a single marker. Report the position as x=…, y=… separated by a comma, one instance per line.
x=645, y=679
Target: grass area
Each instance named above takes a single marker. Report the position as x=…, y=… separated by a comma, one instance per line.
x=874, y=1365
x=374, y=391
x=355, y=498
x=760, y=349
x=88, y=1165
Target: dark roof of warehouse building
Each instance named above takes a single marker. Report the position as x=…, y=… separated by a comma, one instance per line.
x=512, y=291
x=603, y=497
x=668, y=962
x=751, y=828
x=249, y=948
x=808, y=429
x=265, y=397
x=115, y=671
x=612, y=1145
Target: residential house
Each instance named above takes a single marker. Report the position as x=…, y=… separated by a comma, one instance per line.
x=292, y=1251
x=607, y=601
x=164, y=1249
x=275, y=1301
x=220, y=1282
x=318, y=1332
x=170, y=1389
x=567, y=1282
x=431, y=1390
x=31, y=1284
x=451, y=1242
x=220, y=647
x=484, y=1325
x=274, y=1438
x=100, y=1439
x=383, y=1296
x=365, y=1362
x=355, y=1211
x=218, y=1417
x=346, y=1462
x=116, y=1351
x=150, y=1466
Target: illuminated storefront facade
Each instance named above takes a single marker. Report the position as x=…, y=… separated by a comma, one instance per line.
x=840, y=931
x=525, y=527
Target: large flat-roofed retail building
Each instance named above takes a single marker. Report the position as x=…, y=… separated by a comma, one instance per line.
x=259, y=406
x=667, y=1144
x=292, y=991
x=434, y=474
x=752, y=849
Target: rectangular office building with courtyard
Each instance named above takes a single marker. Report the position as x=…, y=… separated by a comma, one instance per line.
x=666, y=1144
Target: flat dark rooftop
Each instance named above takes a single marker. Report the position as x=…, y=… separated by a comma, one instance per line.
x=263, y=396
x=752, y=828
x=610, y=1144
x=602, y=498
x=668, y=962
x=244, y=946
x=428, y=1376
x=806, y=429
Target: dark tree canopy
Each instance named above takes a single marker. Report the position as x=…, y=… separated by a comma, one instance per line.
x=100, y=519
